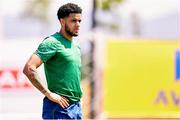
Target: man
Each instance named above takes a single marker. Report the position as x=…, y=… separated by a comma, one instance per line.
x=62, y=62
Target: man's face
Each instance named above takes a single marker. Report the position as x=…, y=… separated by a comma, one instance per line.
x=72, y=24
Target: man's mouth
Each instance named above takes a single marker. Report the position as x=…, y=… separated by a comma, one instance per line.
x=76, y=30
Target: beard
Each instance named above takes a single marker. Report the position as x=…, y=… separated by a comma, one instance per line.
x=69, y=32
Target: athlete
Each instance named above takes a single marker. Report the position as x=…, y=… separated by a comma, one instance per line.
x=62, y=61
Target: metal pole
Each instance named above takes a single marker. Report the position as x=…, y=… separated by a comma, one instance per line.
x=92, y=114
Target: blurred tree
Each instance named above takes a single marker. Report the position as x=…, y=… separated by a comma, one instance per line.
x=37, y=9
x=108, y=9
x=107, y=4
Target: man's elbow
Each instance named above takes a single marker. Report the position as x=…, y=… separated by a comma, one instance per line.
x=25, y=70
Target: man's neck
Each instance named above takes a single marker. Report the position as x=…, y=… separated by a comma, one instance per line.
x=64, y=34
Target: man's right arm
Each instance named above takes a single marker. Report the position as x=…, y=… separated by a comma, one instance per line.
x=30, y=70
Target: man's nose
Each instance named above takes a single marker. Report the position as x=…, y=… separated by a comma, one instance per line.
x=78, y=23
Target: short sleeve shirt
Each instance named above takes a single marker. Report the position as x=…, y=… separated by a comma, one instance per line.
x=62, y=62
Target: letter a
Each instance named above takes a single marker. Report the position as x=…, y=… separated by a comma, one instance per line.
x=161, y=97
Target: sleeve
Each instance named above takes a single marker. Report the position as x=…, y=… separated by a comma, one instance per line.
x=46, y=50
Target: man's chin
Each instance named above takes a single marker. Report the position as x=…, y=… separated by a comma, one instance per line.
x=75, y=35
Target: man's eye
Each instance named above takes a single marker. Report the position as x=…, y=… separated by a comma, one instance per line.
x=76, y=21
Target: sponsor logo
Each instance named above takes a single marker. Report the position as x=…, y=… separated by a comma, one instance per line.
x=166, y=97
x=13, y=78
x=177, y=65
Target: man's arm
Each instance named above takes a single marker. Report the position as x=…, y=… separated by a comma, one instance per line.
x=30, y=70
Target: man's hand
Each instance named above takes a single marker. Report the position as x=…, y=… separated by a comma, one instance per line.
x=62, y=101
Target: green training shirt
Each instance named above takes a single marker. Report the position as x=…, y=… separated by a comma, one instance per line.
x=62, y=62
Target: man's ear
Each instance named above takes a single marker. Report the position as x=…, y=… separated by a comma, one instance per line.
x=62, y=21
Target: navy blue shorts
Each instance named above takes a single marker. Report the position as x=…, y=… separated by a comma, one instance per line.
x=52, y=110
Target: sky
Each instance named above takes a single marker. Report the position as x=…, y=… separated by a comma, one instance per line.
x=146, y=8
x=153, y=8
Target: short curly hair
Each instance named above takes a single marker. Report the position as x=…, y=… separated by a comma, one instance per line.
x=68, y=8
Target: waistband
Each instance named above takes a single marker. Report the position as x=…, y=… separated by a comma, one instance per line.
x=70, y=101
